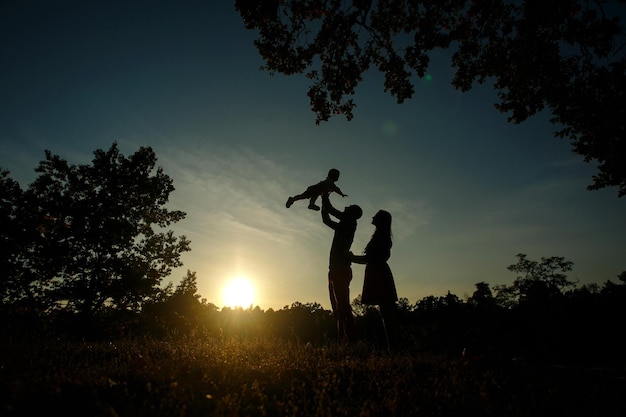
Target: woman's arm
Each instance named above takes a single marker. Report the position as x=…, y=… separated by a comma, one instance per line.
x=358, y=259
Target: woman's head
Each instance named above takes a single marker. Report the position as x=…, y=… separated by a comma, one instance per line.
x=381, y=239
x=382, y=219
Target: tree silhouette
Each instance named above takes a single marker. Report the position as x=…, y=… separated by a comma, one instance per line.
x=11, y=235
x=482, y=299
x=94, y=234
x=540, y=281
x=564, y=56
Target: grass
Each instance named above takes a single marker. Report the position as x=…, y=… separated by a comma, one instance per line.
x=261, y=377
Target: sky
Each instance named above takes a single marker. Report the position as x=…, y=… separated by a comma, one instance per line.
x=467, y=190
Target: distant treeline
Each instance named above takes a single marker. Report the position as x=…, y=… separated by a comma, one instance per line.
x=530, y=318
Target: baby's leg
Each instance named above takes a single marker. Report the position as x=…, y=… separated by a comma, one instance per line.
x=312, y=204
x=295, y=198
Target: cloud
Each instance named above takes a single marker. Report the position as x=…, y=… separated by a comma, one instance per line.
x=237, y=193
x=408, y=217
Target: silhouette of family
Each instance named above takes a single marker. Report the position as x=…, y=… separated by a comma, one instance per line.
x=378, y=285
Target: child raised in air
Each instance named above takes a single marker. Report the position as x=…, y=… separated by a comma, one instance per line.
x=316, y=190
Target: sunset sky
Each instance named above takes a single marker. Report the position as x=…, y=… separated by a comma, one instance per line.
x=467, y=191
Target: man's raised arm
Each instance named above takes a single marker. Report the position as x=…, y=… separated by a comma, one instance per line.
x=327, y=209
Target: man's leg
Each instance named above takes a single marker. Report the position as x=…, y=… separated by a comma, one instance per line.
x=333, y=302
x=339, y=286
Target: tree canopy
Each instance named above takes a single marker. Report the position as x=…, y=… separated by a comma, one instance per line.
x=87, y=237
x=566, y=57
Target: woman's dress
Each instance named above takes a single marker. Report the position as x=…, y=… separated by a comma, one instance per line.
x=379, y=287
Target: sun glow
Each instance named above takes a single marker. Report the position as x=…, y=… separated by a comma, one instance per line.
x=238, y=292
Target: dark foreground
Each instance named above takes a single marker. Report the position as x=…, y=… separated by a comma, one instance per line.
x=241, y=377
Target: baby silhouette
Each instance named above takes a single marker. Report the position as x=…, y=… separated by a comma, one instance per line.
x=316, y=190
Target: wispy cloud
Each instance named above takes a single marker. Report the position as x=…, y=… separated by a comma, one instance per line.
x=238, y=192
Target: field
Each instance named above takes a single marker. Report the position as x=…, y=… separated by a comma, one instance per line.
x=261, y=377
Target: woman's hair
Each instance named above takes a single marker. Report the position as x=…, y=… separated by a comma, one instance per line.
x=382, y=219
x=382, y=235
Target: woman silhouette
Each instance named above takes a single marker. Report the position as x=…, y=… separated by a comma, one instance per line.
x=379, y=287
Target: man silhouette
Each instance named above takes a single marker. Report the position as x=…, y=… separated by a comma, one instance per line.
x=339, y=267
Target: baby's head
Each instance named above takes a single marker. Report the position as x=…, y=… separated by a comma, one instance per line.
x=333, y=174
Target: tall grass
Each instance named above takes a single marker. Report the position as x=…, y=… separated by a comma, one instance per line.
x=198, y=376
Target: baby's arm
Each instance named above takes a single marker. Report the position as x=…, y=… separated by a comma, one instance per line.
x=338, y=191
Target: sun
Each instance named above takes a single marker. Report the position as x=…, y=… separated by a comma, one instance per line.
x=238, y=292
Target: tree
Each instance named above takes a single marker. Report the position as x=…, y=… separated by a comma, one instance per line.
x=428, y=304
x=185, y=301
x=358, y=308
x=612, y=290
x=506, y=297
x=538, y=282
x=403, y=305
x=482, y=299
x=176, y=311
x=95, y=233
x=564, y=56
x=11, y=236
